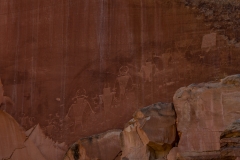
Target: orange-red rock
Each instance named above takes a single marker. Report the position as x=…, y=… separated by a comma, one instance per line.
x=230, y=141
x=120, y=55
x=203, y=112
x=49, y=149
x=150, y=134
x=13, y=141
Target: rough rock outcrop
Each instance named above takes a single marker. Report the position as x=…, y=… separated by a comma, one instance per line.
x=49, y=149
x=203, y=112
x=13, y=145
x=230, y=141
x=150, y=134
x=105, y=146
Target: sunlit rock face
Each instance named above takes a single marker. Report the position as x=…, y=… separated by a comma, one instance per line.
x=203, y=112
x=103, y=146
x=151, y=134
x=82, y=67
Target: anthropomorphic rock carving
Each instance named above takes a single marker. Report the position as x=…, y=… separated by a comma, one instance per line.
x=148, y=70
x=76, y=111
x=123, y=81
x=106, y=98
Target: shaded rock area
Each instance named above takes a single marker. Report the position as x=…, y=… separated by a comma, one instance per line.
x=223, y=16
x=203, y=112
x=105, y=146
x=230, y=141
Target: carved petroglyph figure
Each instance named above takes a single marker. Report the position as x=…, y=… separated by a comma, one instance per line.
x=106, y=98
x=209, y=41
x=77, y=109
x=183, y=45
x=122, y=81
x=148, y=70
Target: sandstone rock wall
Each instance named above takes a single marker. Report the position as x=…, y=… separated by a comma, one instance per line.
x=105, y=57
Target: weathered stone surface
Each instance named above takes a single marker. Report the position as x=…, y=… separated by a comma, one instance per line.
x=203, y=112
x=150, y=134
x=13, y=145
x=105, y=146
x=230, y=140
x=120, y=55
x=49, y=149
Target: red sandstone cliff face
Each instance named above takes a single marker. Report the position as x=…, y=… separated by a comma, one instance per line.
x=206, y=121
x=83, y=67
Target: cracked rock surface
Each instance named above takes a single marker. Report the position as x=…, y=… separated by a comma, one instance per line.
x=150, y=134
x=13, y=145
x=230, y=141
x=203, y=112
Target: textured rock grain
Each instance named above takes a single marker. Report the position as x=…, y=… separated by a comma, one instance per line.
x=203, y=112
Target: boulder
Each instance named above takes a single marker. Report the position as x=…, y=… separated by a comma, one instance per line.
x=150, y=134
x=203, y=112
x=105, y=146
